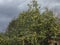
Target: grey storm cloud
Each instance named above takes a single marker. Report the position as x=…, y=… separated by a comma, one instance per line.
x=57, y=1
x=11, y=8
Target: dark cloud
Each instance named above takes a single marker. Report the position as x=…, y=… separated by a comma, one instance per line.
x=7, y=12
x=10, y=9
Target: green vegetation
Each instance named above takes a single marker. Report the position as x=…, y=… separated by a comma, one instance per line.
x=31, y=27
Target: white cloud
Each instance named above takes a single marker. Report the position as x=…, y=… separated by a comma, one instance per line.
x=9, y=0
x=53, y=5
x=1, y=2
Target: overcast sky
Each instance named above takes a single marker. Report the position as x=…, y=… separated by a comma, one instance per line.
x=11, y=8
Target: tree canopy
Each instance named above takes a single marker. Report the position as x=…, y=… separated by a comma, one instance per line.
x=31, y=27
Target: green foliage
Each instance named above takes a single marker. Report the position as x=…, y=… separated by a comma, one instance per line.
x=31, y=28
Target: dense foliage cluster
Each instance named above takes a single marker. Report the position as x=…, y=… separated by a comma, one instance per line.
x=31, y=28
